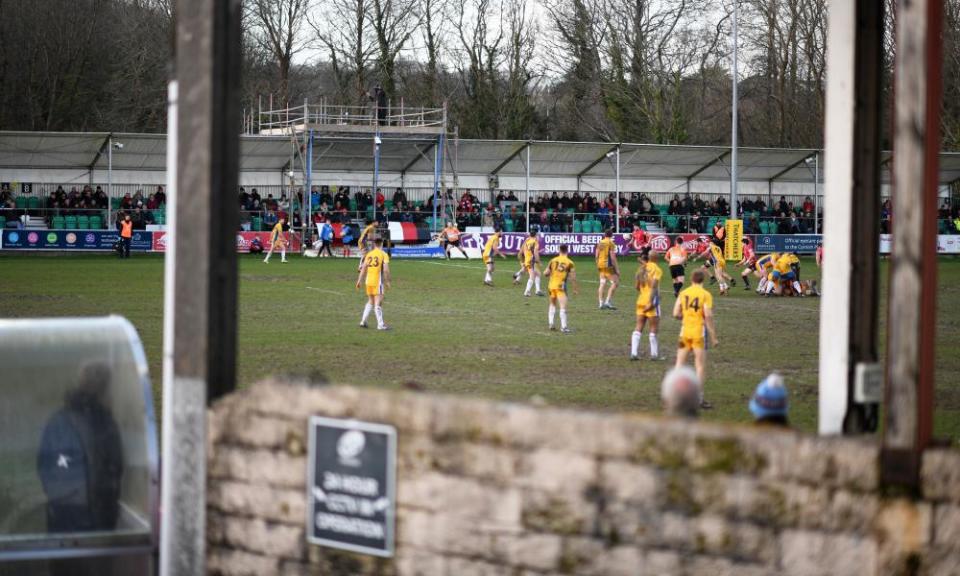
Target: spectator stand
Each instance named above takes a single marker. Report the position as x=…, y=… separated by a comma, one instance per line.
x=434, y=174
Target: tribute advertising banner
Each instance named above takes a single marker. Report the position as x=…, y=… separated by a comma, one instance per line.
x=351, y=489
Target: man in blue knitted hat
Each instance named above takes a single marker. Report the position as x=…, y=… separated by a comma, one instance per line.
x=769, y=402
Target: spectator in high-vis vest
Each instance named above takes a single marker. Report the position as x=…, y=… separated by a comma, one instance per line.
x=126, y=234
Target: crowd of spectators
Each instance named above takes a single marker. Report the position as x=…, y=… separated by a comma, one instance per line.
x=551, y=212
x=269, y=210
x=87, y=200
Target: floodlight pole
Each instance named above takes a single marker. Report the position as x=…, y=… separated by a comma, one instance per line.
x=376, y=169
x=200, y=288
x=617, y=203
x=437, y=162
x=308, y=196
x=109, y=179
x=733, y=126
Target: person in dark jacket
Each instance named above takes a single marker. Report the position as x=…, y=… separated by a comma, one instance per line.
x=80, y=460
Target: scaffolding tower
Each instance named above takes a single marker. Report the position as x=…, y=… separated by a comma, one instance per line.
x=311, y=126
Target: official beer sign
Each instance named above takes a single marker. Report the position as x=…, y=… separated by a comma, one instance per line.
x=351, y=493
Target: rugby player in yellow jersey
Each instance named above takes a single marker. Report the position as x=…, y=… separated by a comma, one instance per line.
x=648, y=304
x=719, y=264
x=559, y=271
x=365, y=242
x=763, y=268
x=784, y=271
x=375, y=276
x=366, y=237
x=529, y=257
x=490, y=250
x=608, y=269
x=277, y=241
x=694, y=307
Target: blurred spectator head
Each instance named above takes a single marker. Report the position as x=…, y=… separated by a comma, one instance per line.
x=681, y=392
x=769, y=402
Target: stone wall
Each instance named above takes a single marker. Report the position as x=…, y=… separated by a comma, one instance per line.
x=494, y=488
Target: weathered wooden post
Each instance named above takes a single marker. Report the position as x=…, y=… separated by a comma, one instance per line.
x=200, y=300
x=908, y=420
x=849, y=312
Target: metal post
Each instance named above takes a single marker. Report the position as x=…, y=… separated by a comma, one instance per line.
x=908, y=417
x=816, y=193
x=617, y=202
x=200, y=293
x=733, y=124
x=528, y=187
x=376, y=170
x=109, y=180
x=308, y=194
x=437, y=164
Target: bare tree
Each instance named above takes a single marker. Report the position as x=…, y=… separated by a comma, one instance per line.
x=479, y=57
x=433, y=25
x=277, y=25
x=518, y=111
x=576, y=54
x=343, y=30
x=393, y=23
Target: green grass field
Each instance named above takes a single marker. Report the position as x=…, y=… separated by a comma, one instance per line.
x=452, y=334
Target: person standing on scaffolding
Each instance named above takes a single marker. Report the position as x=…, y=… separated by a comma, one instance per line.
x=379, y=98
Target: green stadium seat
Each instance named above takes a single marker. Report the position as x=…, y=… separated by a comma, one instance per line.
x=21, y=202
x=83, y=222
x=508, y=225
x=70, y=222
x=256, y=224
x=577, y=227
x=115, y=203
x=597, y=226
x=58, y=223
x=96, y=223
x=33, y=203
